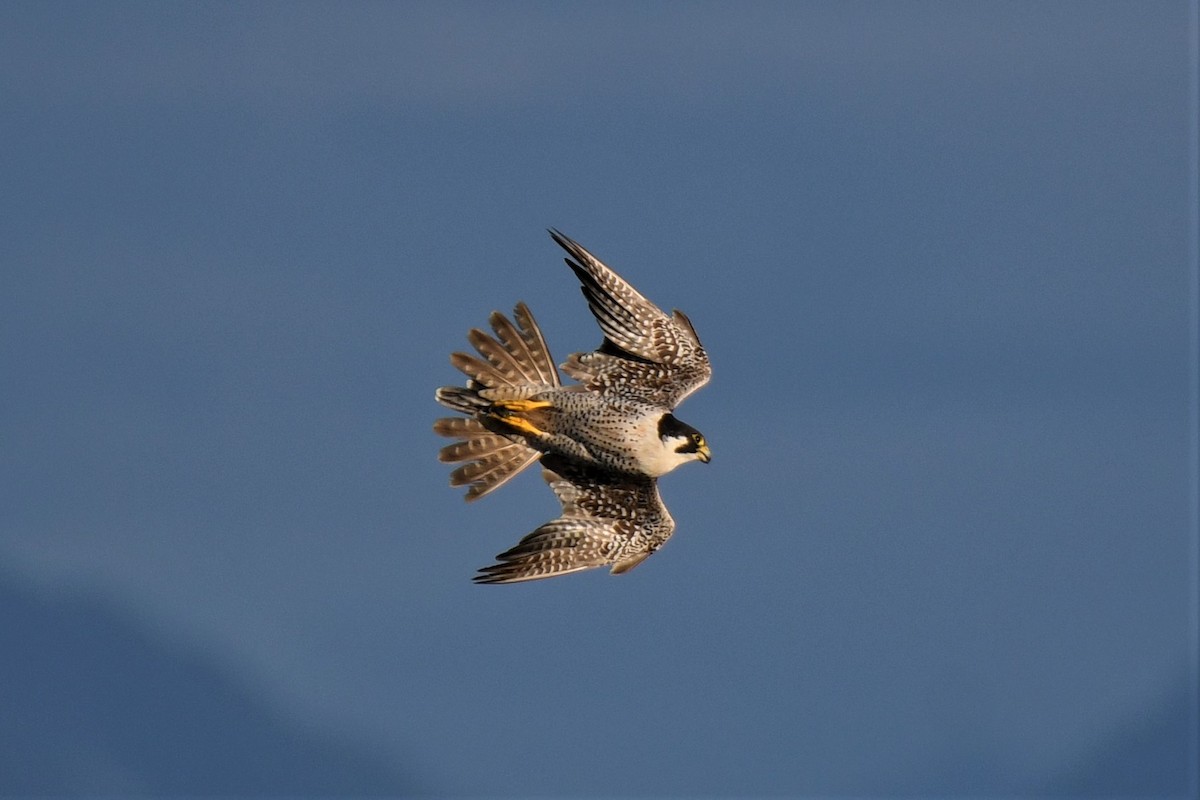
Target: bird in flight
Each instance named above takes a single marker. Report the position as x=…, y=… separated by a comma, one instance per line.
x=603, y=442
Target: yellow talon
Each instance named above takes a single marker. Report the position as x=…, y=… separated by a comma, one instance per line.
x=508, y=412
x=522, y=406
x=523, y=425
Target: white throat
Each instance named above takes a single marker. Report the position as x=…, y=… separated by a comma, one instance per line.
x=658, y=457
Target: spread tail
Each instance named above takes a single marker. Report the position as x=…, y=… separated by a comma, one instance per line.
x=488, y=460
x=515, y=365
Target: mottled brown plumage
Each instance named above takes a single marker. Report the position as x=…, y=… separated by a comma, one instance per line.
x=602, y=443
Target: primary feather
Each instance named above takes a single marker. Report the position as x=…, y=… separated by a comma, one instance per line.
x=602, y=443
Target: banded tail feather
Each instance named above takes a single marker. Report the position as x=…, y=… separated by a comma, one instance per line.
x=512, y=365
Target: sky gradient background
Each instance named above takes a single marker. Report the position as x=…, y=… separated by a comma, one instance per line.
x=941, y=254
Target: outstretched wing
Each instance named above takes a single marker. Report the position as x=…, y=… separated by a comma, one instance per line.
x=645, y=354
x=606, y=519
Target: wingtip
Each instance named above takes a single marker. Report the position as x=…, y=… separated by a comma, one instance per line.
x=508, y=573
x=564, y=241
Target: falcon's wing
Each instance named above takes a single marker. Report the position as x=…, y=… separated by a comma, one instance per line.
x=607, y=519
x=645, y=354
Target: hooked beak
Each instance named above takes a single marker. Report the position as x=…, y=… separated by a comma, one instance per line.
x=704, y=453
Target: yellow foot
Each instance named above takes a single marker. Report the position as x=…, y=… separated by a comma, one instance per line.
x=509, y=412
x=519, y=423
x=521, y=406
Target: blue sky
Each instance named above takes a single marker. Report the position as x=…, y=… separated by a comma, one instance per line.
x=941, y=254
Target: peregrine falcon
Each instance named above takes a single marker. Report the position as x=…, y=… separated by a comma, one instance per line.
x=602, y=442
